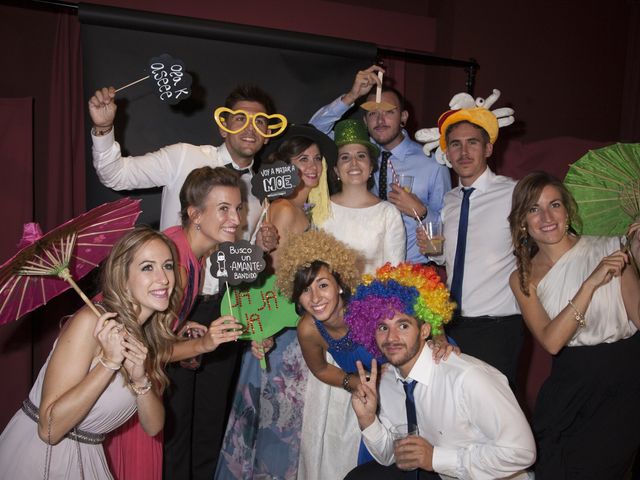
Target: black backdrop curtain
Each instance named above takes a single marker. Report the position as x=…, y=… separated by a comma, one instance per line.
x=302, y=72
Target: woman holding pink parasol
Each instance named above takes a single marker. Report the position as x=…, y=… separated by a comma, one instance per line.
x=101, y=369
x=581, y=301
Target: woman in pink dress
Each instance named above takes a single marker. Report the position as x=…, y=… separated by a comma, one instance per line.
x=211, y=212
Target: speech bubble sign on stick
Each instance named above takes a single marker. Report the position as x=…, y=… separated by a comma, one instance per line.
x=170, y=78
x=274, y=180
x=378, y=104
x=236, y=263
x=260, y=308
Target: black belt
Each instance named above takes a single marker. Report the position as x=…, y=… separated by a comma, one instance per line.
x=81, y=436
x=461, y=320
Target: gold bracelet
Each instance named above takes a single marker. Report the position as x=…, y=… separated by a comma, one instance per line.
x=109, y=364
x=579, y=316
x=141, y=390
x=100, y=133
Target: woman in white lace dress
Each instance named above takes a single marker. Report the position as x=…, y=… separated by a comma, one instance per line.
x=358, y=218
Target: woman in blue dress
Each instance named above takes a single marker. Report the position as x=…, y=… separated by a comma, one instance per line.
x=262, y=439
x=318, y=272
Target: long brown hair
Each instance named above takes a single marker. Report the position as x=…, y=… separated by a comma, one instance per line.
x=525, y=195
x=155, y=333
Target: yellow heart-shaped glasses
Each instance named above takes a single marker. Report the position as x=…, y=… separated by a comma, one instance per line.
x=235, y=121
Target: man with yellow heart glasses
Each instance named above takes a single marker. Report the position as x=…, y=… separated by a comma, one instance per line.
x=236, y=121
x=246, y=122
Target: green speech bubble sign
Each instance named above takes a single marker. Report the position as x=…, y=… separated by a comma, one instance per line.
x=260, y=308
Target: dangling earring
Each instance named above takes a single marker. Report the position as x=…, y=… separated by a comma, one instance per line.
x=198, y=226
x=338, y=177
x=525, y=239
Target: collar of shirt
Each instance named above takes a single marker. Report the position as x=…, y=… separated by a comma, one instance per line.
x=482, y=183
x=225, y=156
x=422, y=370
x=399, y=151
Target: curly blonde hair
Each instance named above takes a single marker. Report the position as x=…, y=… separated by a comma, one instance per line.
x=301, y=251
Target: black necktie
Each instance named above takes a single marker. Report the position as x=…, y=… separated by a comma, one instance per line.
x=461, y=247
x=239, y=172
x=382, y=188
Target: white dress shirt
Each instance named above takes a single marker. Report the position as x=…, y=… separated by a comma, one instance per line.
x=167, y=168
x=489, y=258
x=466, y=410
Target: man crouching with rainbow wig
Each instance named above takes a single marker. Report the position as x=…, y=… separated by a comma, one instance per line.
x=453, y=419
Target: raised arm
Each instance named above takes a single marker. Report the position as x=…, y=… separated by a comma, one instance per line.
x=554, y=334
x=148, y=399
x=71, y=386
x=364, y=401
x=327, y=116
x=630, y=285
x=154, y=169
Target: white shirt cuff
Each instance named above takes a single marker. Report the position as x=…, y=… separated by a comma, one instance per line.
x=445, y=460
x=103, y=142
x=375, y=432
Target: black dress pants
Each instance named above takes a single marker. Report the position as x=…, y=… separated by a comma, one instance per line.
x=495, y=340
x=374, y=471
x=197, y=404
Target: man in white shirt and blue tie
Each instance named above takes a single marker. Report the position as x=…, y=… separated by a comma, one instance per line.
x=469, y=423
x=478, y=253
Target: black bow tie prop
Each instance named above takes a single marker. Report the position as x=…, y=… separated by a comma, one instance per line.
x=169, y=78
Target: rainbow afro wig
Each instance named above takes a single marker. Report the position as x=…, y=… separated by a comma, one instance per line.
x=412, y=289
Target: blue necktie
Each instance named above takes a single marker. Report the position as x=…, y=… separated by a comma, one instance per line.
x=410, y=403
x=382, y=183
x=461, y=247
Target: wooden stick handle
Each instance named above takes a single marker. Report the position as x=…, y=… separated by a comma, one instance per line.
x=89, y=303
x=132, y=83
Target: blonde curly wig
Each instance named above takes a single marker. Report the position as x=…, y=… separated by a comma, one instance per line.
x=301, y=250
